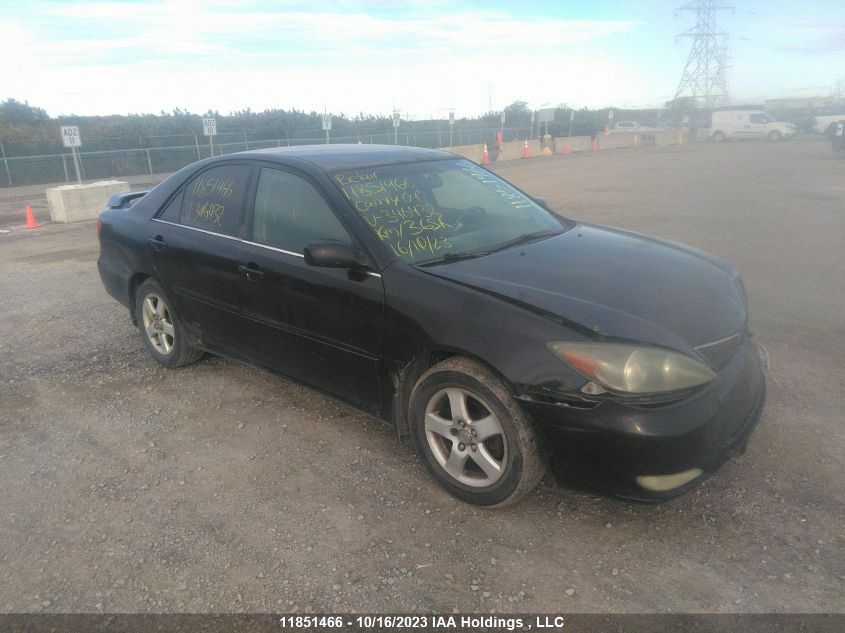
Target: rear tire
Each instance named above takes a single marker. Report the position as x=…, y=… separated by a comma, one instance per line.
x=162, y=330
x=472, y=436
x=718, y=137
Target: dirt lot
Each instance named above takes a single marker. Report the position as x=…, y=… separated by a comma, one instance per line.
x=216, y=487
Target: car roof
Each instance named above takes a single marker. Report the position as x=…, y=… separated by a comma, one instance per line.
x=346, y=156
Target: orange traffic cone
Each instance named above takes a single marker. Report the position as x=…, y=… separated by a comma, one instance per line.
x=566, y=149
x=525, y=150
x=636, y=140
x=485, y=157
x=595, y=144
x=30, y=218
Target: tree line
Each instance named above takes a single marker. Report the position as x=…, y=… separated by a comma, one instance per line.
x=22, y=123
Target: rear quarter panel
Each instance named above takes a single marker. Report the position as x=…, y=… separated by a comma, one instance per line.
x=123, y=252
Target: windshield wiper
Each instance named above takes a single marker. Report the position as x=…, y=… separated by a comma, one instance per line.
x=522, y=239
x=525, y=238
x=454, y=257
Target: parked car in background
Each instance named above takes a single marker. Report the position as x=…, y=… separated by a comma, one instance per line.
x=632, y=126
x=747, y=124
x=435, y=296
x=822, y=124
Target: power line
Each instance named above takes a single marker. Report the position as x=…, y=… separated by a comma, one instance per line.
x=705, y=75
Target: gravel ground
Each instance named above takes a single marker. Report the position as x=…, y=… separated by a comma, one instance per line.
x=216, y=487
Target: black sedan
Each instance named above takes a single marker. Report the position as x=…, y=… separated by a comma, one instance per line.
x=431, y=294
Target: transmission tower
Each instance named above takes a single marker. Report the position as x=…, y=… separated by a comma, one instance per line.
x=704, y=78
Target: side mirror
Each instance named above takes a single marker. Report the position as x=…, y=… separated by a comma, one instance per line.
x=541, y=201
x=333, y=254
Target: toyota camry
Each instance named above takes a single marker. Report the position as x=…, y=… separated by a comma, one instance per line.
x=500, y=338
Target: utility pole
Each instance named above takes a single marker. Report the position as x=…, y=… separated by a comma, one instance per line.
x=705, y=75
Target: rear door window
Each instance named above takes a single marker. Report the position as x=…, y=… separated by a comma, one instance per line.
x=214, y=199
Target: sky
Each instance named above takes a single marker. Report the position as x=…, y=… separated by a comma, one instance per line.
x=422, y=58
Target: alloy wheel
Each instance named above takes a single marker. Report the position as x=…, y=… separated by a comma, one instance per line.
x=466, y=437
x=158, y=324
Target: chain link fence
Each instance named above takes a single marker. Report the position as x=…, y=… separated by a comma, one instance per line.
x=122, y=157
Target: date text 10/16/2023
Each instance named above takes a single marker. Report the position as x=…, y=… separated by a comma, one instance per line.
x=444, y=622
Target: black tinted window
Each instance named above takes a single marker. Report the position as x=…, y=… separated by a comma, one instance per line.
x=758, y=118
x=214, y=200
x=290, y=212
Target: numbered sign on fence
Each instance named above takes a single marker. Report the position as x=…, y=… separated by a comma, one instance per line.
x=70, y=136
x=209, y=127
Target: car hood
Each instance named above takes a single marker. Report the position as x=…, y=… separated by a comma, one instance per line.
x=614, y=283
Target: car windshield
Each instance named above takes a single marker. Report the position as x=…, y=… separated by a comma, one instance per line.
x=440, y=211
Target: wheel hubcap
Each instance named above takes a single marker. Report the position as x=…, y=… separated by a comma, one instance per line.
x=466, y=437
x=158, y=324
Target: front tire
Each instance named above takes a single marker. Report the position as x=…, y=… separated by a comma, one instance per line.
x=472, y=435
x=774, y=135
x=161, y=329
x=718, y=137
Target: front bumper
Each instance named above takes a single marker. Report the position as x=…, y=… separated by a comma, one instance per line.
x=608, y=446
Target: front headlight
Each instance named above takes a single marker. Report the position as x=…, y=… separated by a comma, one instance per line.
x=634, y=369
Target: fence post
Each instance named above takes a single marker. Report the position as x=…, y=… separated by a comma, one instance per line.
x=197, y=143
x=64, y=164
x=6, y=163
x=149, y=161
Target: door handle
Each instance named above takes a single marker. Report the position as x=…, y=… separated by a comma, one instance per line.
x=251, y=272
x=157, y=242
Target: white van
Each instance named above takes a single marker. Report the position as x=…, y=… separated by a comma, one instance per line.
x=725, y=124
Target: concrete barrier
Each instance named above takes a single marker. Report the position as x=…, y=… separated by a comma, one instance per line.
x=472, y=152
x=670, y=137
x=576, y=143
x=617, y=140
x=513, y=150
x=72, y=203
